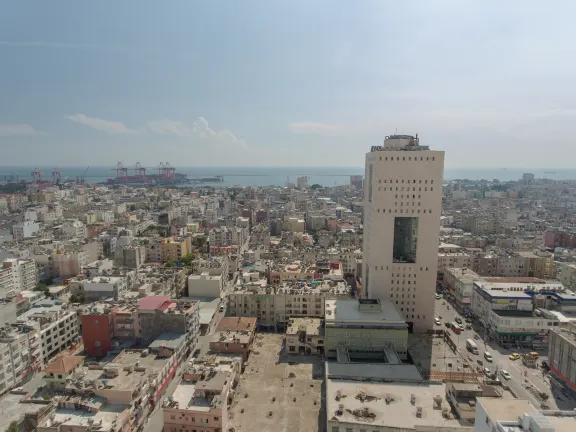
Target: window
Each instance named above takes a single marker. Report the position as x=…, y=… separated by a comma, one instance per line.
x=97, y=343
x=95, y=321
x=292, y=348
x=216, y=418
x=371, y=175
x=405, y=239
x=203, y=421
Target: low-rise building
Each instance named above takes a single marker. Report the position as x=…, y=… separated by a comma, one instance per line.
x=60, y=370
x=274, y=306
x=521, y=310
x=203, y=396
x=234, y=335
x=364, y=329
x=305, y=336
x=205, y=285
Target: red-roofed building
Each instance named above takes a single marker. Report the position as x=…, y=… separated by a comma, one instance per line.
x=152, y=302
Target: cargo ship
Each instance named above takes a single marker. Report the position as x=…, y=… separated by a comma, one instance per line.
x=215, y=179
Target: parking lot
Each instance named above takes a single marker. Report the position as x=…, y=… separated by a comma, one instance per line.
x=278, y=391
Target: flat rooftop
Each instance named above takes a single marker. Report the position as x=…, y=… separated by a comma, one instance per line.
x=372, y=372
x=107, y=415
x=348, y=310
x=506, y=409
x=312, y=326
x=352, y=397
x=125, y=380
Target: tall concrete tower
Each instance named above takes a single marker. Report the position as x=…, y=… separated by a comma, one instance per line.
x=402, y=208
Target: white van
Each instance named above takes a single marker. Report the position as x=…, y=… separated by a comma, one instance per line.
x=488, y=356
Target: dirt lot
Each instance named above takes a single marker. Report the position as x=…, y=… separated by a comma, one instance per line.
x=277, y=391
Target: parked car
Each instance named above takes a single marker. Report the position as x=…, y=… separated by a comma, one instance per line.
x=514, y=356
x=505, y=374
x=487, y=371
x=458, y=320
x=438, y=296
x=488, y=356
x=437, y=321
x=476, y=337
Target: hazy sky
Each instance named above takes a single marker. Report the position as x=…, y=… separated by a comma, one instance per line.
x=298, y=82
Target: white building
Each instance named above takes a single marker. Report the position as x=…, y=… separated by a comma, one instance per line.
x=273, y=307
x=515, y=312
x=519, y=415
x=57, y=328
x=25, y=229
x=18, y=357
x=22, y=274
x=104, y=286
x=74, y=229
x=402, y=207
x=205, y=285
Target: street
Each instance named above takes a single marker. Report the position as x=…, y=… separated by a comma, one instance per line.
x=155, y=422
x=525, y=382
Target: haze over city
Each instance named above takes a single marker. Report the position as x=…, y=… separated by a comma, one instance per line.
x=285, y=83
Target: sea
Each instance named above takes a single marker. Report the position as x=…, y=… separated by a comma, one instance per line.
x=280, y=176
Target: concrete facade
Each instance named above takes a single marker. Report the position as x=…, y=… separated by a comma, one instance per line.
x=403, y=194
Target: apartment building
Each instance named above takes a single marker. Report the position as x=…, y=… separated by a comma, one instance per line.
x=174, y=248
x=74, y=229
x=364, y=329
x=295, y=271
x=17, y=275
x=504, y=263
x=402, y=208
x=234, y=335
x=202, y=398
x=205, y=285
x=460, y=284
x=56, y=326
x=450, y=255
x=305, y=336
x=65, y=264
x=133, y=381
x=19, y=357
x=131, y=256
x=220, y=236
x=562, y=358
x=274, y=306
x=100, y=287
x=26, y=229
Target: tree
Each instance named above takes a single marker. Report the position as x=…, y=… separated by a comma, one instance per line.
x=169, y=264
x=12, y=427
x=316, y=186
x=132, y=207
x=188, y=258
